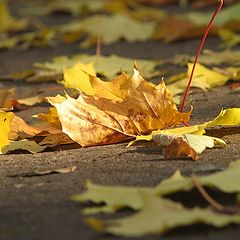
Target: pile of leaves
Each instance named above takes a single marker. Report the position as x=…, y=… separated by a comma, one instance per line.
x=125, y=108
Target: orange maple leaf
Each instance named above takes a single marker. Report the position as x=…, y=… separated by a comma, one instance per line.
x=118, y=110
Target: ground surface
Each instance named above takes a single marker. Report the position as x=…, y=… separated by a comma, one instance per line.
x=39, y=208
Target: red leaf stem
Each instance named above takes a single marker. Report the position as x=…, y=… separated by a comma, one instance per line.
x=198, y=53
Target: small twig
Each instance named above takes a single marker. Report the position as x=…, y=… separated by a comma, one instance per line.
x=198, y=53
x=213, y=203
x=98, y=47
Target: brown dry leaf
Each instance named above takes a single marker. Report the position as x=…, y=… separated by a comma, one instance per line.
x=175, y=28
x=185, y=145
x=118, y=110
x=46, y=172
x=56, y=140
x=19, y=129
x=6, y=97
x=206, y=3
x=178, y=148
x=156, y=2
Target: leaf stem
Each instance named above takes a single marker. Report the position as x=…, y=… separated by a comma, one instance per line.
x=213, y=203
x=198, y=53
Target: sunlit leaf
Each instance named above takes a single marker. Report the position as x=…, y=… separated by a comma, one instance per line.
x=185, y=145
x=159, y=215
x=230, y=39
x=118, y=110
x=227, y=117
x=7, y=22
x=107, y=66
x=105, y=27
x=30, y=146
x=5, y=121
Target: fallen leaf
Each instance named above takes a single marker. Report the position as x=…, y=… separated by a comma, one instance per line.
x=15, y=135
x=28, y=145
x=229, y=38
x=107, y=66
x=5, y=120
x=192, y=24
x=147, y=13
x=174, y=28
x=74, y=7
x=98, y=119
x=43, y=38
x=185, y=145
x=114, y=197
x=119, y=197
x=209, y=57
x=204, y=78
x=57, y=139
x=6, y=97
x=30, y=101
x=78, y=77
x=51, y=117
x=7, y=22
x=156, y=2
x=105, y=26
x=207, y=3
x=228, y=117
x=159, y=215
x=45, y=172
x=226, y=15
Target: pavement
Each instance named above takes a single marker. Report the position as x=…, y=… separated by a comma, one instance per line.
x=37, y=208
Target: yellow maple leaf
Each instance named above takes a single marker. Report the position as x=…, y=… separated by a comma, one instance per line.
x=188, y=141
x=15, y=134
x=207, y=76
x=8, y=22
x=5, y=121
x=78, y=77
x=51, y=117
x=125, y=108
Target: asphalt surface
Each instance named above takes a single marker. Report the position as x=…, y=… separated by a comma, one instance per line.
x=37, y=208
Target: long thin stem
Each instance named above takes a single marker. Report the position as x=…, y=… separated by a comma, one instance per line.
x=198, y=53
x=213, y=203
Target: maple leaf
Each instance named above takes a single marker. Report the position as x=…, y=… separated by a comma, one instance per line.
x=155, y=213
x=129, y=29
x=15, y=134
x=119, y=197
x=187, y=141
x=185, y=145
x=117, y=110
x=6, y=97
x=78, y=77
x=204, y=78
x=209, y=57
x=160, y=215
x=192, y=25
x=42, y=38
x=7, y=22
x=106, y=66
x=230, y=39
